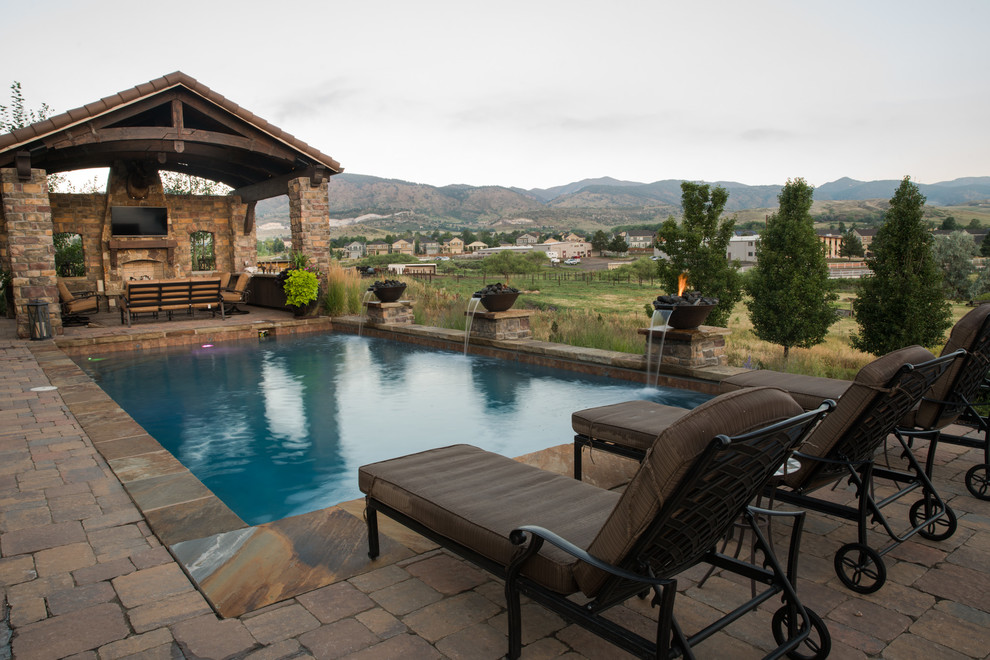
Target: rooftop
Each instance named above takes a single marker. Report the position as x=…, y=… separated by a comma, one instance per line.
x=83, y=571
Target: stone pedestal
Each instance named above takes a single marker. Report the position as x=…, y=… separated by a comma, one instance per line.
x=393, y=312
x=703, y=346
x=512, y=324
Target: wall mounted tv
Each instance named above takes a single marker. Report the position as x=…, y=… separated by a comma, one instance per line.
x=138, y=221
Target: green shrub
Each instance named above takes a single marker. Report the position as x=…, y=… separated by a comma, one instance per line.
x=301, y=287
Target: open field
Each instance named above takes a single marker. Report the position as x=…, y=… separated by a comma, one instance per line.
x=607, y=315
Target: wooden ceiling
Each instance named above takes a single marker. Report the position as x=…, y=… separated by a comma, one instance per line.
x=174, y=123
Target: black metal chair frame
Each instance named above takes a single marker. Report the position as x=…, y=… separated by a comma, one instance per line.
x=857, y=565
x=970, y=390
x=709, y=491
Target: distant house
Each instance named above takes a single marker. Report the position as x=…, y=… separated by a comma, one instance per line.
x=453, y=246
x=742, y=248
x=528, y=239
x=638, y=239
x=572, y=238
x=832, y=243
x=354, y=250
x=402, y=246
x=429, y=246
x=565, y=249
x=475, y=246
x=866, y=237
x=378, y=247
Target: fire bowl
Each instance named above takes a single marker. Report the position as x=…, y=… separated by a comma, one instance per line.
x=387, y=294
x=498, y=302
x=686, y=317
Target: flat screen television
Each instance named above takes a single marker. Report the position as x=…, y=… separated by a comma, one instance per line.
x=138, y=221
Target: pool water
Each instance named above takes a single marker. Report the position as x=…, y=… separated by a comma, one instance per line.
x=279, y=427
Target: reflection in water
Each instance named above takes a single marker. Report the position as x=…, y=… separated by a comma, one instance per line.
x=284, y=409
x=281, y=429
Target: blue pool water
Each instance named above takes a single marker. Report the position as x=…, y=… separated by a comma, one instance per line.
x=279, y=428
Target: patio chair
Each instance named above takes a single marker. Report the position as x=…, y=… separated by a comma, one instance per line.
x=954, y=398
x=579, y=550
x=74, y=306
x=843, y=446
x=235, y=294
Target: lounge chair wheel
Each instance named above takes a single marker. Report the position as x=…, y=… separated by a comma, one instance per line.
x=939, y=529
x=978, y=481
x=818, y=642
x=860, y=568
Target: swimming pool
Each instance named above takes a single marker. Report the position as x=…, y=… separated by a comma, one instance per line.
x=279, y=427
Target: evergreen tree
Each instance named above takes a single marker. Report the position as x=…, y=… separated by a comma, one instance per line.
x=902, y=303
x=985, y=246
x=599, y=241
x=852, y=246
x=790, y=290
x=698, y=247
x=618, y=245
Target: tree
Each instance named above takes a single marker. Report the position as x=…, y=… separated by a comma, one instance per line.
x=790, y=290
x=985, y=246
x=599, y=241
x=974, y=224
x=950, y=224
x=15, y=116
x=618, y=245
x=176, y=183
x=902, y=303
x=954, y=254
x=698, y=246
x=509, y=263
x=852, y=246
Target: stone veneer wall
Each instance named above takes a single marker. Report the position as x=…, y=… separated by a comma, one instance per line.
x=28, y=251
x=89, y=216
x=309, y=213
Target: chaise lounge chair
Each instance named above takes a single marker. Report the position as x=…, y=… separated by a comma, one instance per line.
x=74, y=306
x=953, y=397
x=842, y=446
x=578, y=549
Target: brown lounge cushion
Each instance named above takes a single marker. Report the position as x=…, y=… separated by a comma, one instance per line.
x=808, y=391
x=634, y=424
x=477, y=498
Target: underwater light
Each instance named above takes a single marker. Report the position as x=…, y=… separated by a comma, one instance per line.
x=207, y=346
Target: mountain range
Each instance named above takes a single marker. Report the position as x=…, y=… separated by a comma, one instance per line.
x=375, y=201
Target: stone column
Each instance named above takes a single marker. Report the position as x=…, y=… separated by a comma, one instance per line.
x=309, y=215
x=30, y=250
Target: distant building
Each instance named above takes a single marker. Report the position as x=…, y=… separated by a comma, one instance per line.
x=866, y=237
x=638, y=239
x=565, y=249
x=572, y=238
x=832, y=243
x=742, y=248
x=475, y=246
x=453, y=246
x=402, y=246
x=354, y=250
x=528, y=239
x=378, y=247
x=429, y=246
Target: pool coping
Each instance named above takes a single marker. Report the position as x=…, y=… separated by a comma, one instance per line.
x=241, y=568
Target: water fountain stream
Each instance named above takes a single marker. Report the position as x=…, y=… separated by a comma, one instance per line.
x=472, y=307
x=665, y=315
x=368, y=295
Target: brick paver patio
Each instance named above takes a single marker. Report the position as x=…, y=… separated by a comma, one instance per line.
x=83, y=576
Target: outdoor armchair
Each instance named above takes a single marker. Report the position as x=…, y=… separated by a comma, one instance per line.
x=73, y=304
x=551, y=537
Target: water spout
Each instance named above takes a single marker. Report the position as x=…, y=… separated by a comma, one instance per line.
x=653, y=380
x=368, y=295
x=472, y=307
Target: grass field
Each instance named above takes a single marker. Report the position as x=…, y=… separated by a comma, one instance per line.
x=607, y=315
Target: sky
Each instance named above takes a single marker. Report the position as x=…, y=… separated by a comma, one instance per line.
x=541, y=93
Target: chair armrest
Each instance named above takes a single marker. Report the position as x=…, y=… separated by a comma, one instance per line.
x=540, y=534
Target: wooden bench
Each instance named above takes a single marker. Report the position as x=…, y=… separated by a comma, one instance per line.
x=155, y=296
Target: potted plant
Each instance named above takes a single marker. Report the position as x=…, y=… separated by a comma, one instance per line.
x=301, y=285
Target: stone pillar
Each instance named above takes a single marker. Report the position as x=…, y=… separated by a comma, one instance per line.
x=398, y=313
x=692, y=348
x=511, y=324
x=309, y=215
x=30, y=250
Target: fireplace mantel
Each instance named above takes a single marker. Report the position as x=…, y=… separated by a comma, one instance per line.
x=117, y=244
